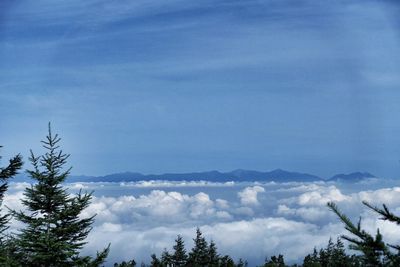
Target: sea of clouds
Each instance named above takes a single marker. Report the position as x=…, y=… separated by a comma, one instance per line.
x=246, y=220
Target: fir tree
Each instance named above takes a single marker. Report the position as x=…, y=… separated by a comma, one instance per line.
x=199, y=254
x=131, y=263
x=375, y=251
x=155, y=262
x=226, y=261
x=241, y=263
x=54, y=232
x=337, y=255
x=6, y=173
x=179, y=258
x=213, y=256
x=166, y=259
x=312, y=260
x=325, y=254
x=275, y=262
x=14, y=165
x=331, y=256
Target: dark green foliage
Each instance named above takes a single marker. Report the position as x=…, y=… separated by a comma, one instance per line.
x=392, y=259
x=373, y=248
x=155, y=262
x=131, y=263
x=375, y=252
x=14, y=165
x=226, y=261
x=386, y=214
x=166, y=258
x=275, y=262
x=331, y=256
x=213, y=257
x=199, y=254
x=54, y=232
x=337, y=256
x=241, y=263
x=312, y=260
x=179, y=258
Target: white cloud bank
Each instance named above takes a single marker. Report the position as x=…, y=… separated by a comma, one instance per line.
x=289, y=218
x=249, y=195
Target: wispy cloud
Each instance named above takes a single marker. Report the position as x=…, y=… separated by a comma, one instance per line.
x=220, y=78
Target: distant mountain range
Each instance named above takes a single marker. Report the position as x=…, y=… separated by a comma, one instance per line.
x=238, y=175
x=212, y=176
x=353, y=177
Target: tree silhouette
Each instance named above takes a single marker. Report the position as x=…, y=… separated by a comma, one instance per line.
x=179, y=258
x=14, y=165
x=199, y=254
x=54, y=232
x=213, y=256
x=375, y=251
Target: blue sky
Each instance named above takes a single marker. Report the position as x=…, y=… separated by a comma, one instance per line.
x=176, y=86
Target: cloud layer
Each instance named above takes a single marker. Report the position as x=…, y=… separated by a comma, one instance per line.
x=252, y=222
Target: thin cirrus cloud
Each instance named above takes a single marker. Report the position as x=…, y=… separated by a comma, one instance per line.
x=196, y=86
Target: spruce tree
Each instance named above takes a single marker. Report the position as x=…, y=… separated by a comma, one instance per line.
x=179, y=258
x=155, y=262
x=241, y=263
x=213, y=256
x=275, y=261
x=199, y=254
x=14, y=165
x=131, y=263
x=375, y=251
x=226, y=261
x=331, y=256
x=312, y=260
x=54, y=232
x=324, y=254
x=166, y=259
x=338, y=255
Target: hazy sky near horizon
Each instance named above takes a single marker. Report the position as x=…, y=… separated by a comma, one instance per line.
x=177, y=86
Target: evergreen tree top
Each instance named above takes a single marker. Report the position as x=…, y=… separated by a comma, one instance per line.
x=54, y=232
